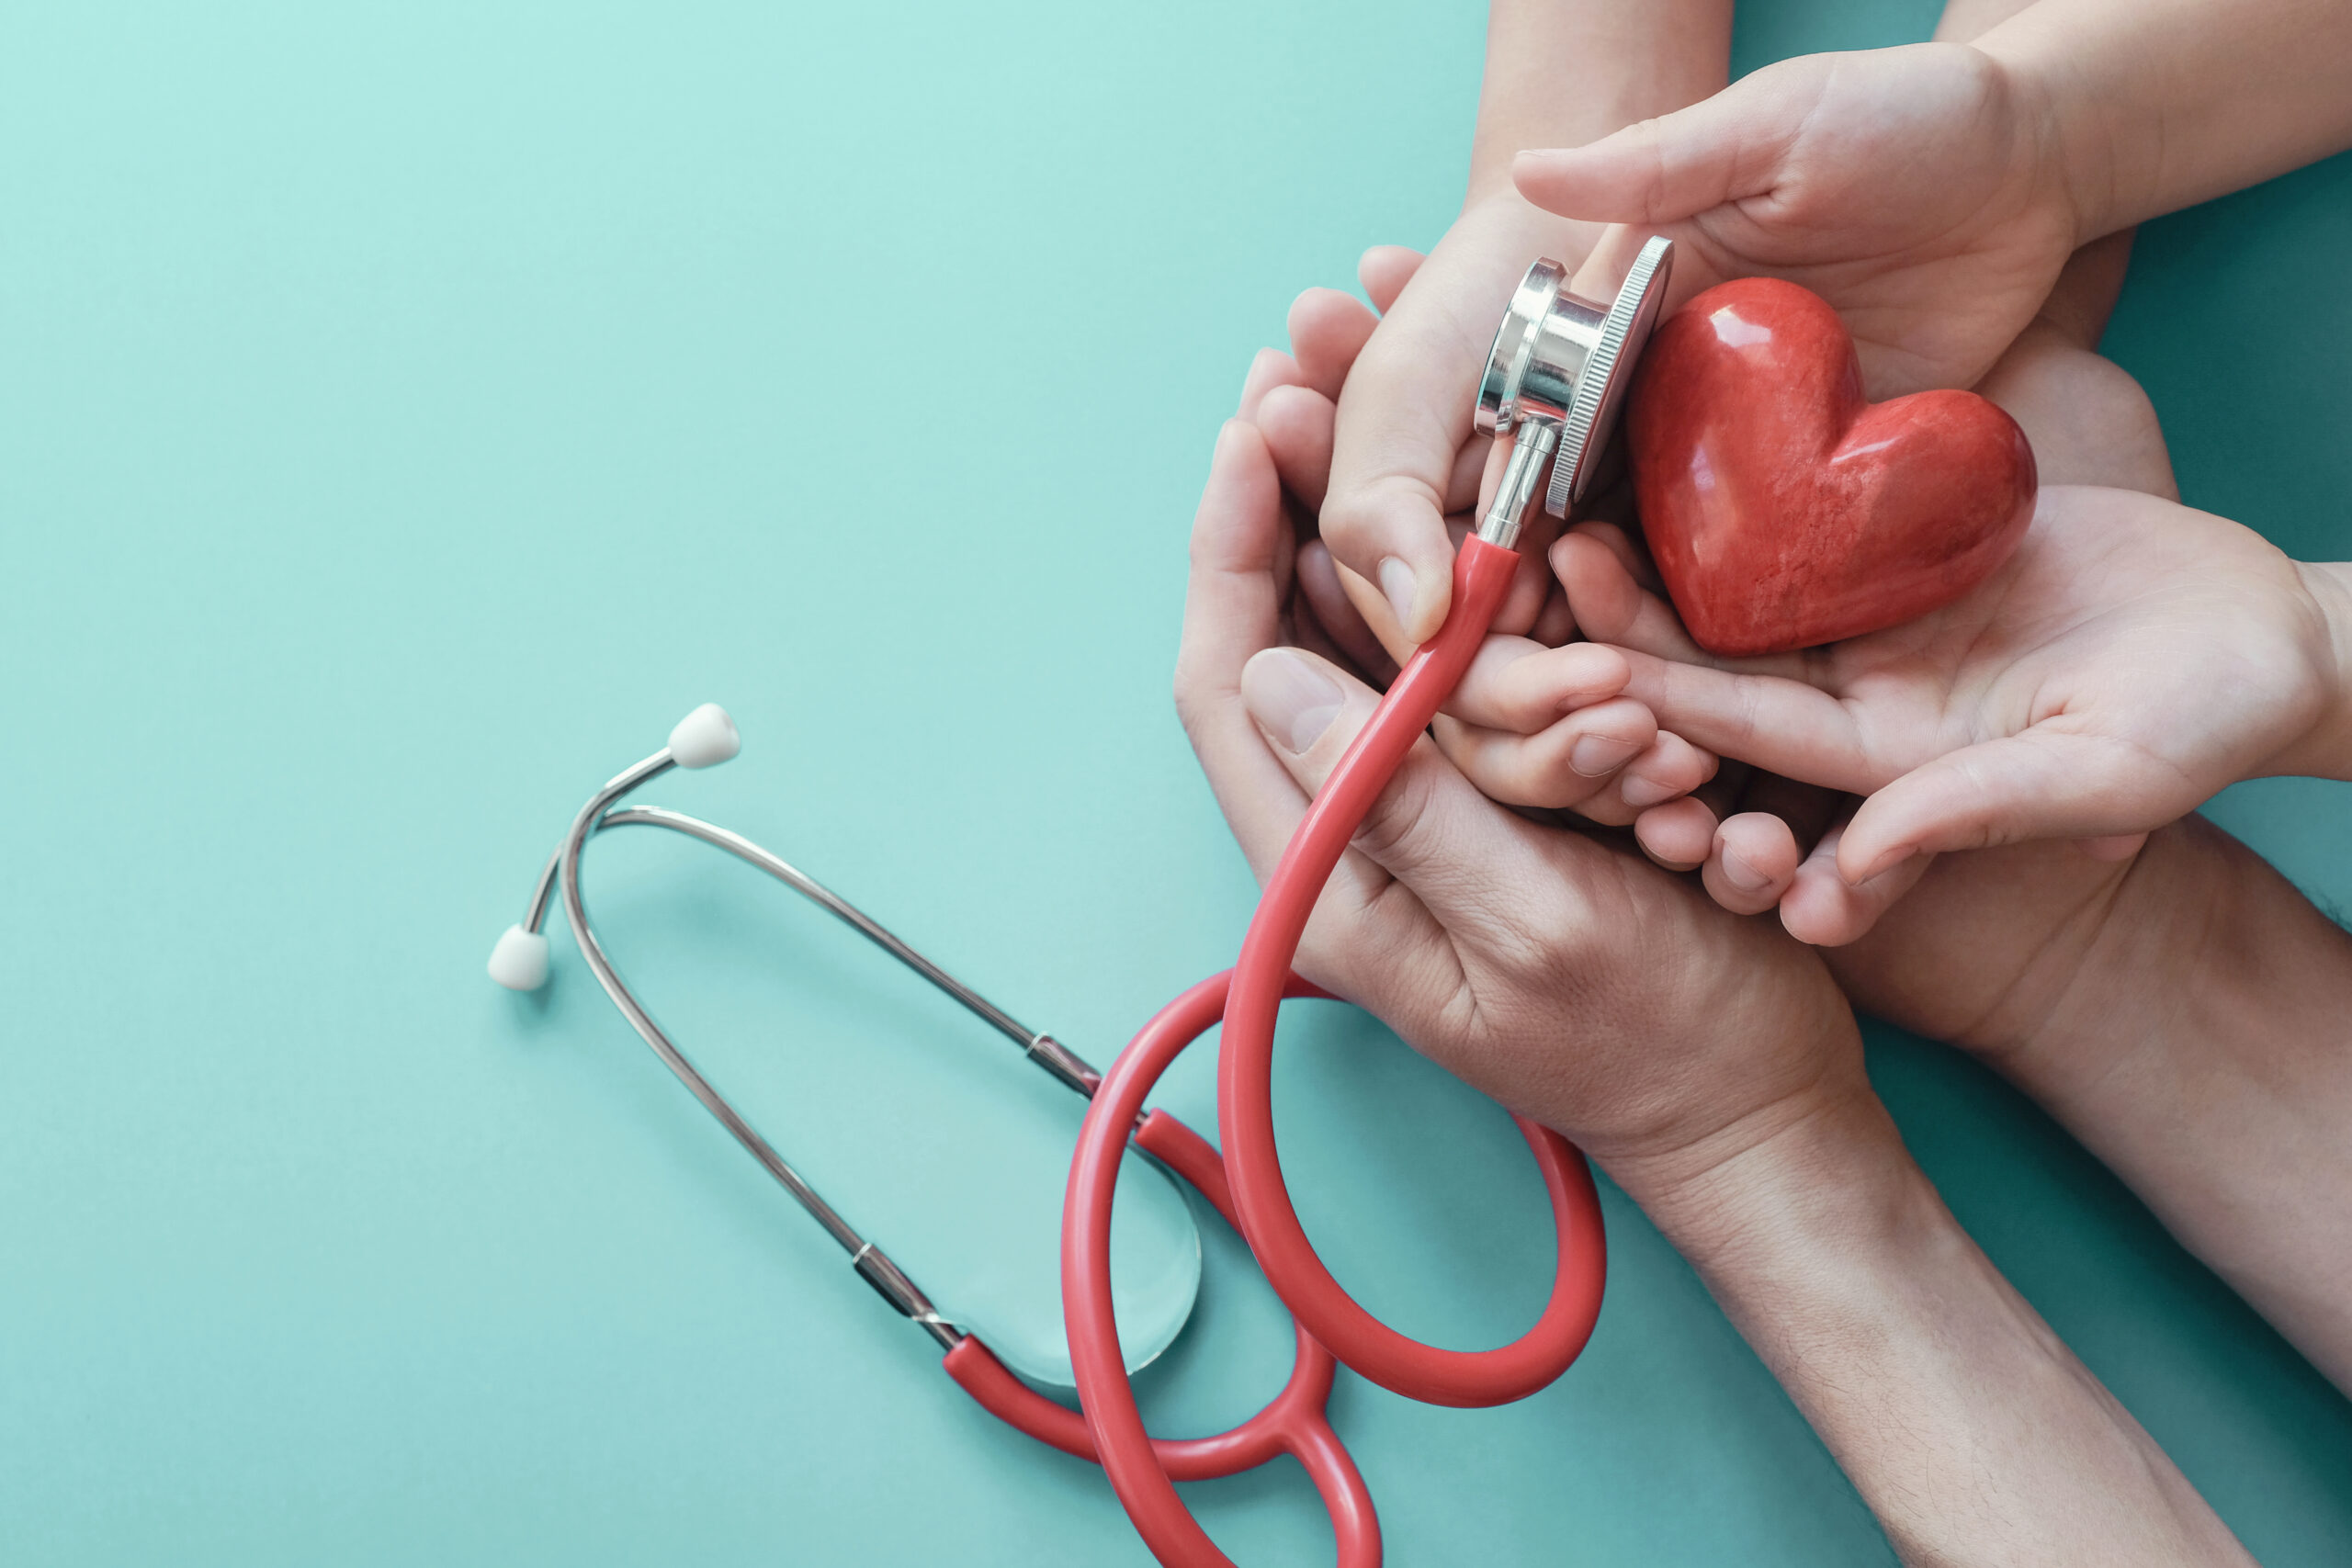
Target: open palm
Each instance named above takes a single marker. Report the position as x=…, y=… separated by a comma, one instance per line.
x=2131, y=660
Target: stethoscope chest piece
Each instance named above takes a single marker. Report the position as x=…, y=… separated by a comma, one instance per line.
x=1560, y=364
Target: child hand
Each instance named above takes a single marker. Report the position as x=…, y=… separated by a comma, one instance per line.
x=1404, y=456
x=1915, y=188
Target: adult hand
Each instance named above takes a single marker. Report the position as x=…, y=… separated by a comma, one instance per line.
x=1705, y=1060
x=1568, y=978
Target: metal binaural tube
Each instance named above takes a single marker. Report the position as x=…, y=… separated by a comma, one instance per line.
x=1059, y=1060
x=871, y=1263
x=1530, y=450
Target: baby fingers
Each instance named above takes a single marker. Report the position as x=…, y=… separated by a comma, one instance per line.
x=1670, y=768
x=1560, y=765
x=1517, y=683
x=1752, y=861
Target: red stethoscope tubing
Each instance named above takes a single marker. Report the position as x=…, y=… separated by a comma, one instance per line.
x=1482, y=576
x=1142, y=1470
x=1247, y=1185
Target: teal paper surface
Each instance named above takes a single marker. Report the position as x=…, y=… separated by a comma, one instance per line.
x=408, y=411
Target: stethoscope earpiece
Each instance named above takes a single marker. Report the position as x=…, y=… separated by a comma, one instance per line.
x=705, y=737
x=1556, y=378
x=519, y=961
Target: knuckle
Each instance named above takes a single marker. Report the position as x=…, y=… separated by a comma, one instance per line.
x=1402, y=824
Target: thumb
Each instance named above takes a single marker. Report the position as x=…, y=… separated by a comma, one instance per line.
x=2040, y=783
x=1405, y=422
x=1429, y=828
x=1681, y=165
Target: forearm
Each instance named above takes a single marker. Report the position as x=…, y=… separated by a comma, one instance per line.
x=1562, y=72
x=1967, y=1425
x=2204, y=1053
x=2155, y=105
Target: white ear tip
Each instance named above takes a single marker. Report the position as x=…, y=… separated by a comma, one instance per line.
x=705, y=737
x=519, y=961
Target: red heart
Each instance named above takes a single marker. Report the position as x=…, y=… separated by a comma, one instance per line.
x=1782, y=510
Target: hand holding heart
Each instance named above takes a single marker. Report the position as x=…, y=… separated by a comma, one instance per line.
x=1917, y=189
x=2132, y=658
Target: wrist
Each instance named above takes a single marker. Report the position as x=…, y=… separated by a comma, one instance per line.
x=2198, y=1053
x=2070, y=136
x=1560, y=76
x=1820, y=1173
x=1964, y=1423
x=2326, y=750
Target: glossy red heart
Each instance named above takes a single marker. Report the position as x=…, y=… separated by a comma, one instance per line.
x=1782, y=510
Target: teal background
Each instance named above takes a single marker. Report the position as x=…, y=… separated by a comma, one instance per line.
x=408, y=411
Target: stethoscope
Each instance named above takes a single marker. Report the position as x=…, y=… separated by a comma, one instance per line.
x=1553, y=383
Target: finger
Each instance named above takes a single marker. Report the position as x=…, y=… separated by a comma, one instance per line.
x=1271, y=368
x=1671, y=766
x=1823, y=909
x=1555, y=623
x=1429, y=828
x=1384, y=271
x=2044, y=782
x=1318, y=581
x=1517, y=683
x=1660, y=171
x=1593, y=564
x=1752, y=861
x=1232, y=611
x=1390, y=530
x=1328, y=330
x=1404, y=422
x=1782, y=725
x=1464, y=485
x=1297, y=425
x=1678, y=835
x=1558, y=766
x=1622, y=539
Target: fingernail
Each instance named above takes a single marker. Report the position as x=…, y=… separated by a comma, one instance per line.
x=1638, y=791
x=1396, y=581
x=1291, y=698
x=1741, y=875
x=1597, y=754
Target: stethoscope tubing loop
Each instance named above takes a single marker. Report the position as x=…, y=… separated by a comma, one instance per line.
x=1142, y=1470
x=1482, y=574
